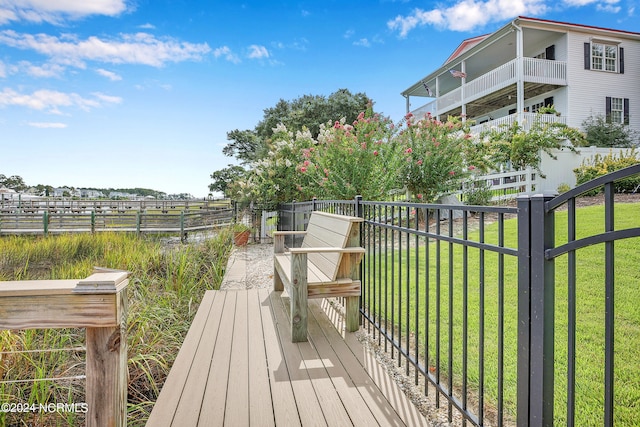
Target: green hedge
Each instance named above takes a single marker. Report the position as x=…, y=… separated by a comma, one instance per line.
x=602, y=165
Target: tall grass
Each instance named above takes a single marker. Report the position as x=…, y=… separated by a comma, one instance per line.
x=426, y=293
x=166, y=286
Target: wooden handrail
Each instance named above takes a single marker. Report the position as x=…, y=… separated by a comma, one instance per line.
x=98, y=304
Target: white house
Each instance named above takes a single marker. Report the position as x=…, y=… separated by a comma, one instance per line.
x=529, y=63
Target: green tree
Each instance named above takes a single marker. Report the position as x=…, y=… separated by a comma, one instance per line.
x=522, y=148
x=601, y=133
x=224, y=177
x=14, y=182
x=307, y=112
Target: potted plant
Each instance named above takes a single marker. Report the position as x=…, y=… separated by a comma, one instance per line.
x=241, y=233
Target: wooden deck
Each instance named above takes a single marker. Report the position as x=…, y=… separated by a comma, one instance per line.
x=238, y=367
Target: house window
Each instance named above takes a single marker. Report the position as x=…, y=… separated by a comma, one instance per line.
x=617, y=110
x=604, y=57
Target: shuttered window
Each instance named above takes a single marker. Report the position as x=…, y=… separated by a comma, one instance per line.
x=604, y=57
x=617, y=110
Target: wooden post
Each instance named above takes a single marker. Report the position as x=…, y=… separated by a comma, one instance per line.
x=106, y=366
x=107, y=374
x=298, y=297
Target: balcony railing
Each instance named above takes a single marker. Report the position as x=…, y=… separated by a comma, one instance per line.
x=534, y=70
x=527, y=121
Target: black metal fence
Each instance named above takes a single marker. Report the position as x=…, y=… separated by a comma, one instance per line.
x=464, y=299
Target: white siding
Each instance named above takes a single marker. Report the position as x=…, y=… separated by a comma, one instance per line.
x=589, y=88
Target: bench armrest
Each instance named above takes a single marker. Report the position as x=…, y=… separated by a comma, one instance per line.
x=353, y=250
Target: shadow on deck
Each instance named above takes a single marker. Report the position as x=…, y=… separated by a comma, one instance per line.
x=238, y=367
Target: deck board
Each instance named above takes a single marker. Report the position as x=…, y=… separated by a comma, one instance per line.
x=238, y=366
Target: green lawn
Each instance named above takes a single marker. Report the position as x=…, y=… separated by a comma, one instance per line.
x=411, y=282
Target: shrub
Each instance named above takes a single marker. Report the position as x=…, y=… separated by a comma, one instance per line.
x=600, y=133
x=563, y=188
x=477, y=193
x=602, y=165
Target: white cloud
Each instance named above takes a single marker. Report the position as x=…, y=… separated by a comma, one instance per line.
x=467, y=15
x=43, y=125
x=3, y=70
x=109, y=74
x=51, y=101
x=56, y=11
x=147, y=26
x=43, y=71
x=611, y=6
x=362, y=42
x=139, y=48
x=107, y=98
x=258, y=52
x=226, y=52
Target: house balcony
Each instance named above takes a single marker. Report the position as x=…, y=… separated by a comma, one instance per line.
x=498, y=88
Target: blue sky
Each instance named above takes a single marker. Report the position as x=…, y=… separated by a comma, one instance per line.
x=141, y=93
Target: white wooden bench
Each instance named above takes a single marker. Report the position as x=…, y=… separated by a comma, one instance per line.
x=326, y=265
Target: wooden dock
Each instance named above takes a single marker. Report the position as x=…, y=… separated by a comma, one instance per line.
x=238, y=367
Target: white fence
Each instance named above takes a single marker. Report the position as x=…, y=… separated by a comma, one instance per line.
x=507, y=185
x=560, y=171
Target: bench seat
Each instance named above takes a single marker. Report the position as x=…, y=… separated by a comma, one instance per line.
x=326, y=265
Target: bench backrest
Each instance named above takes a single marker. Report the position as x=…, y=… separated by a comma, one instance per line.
x=331, y=230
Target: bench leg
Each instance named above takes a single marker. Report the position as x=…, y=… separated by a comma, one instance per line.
x=278, y=286
x=298, y=297
x=352, y=313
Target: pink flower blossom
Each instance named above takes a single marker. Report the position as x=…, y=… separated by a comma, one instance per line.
x=408, y=150
x=361, y=115
x=452, y=173
x=375, y=152
x=472, y=167
x=337, y=125
x=363, y=145
x=303, y=169
x=419, y=162
x=306, y=163
x=436, y=144
x=419, y=196
x=408, y=116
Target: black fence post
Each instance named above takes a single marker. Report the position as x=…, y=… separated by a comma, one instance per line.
x=536, y=297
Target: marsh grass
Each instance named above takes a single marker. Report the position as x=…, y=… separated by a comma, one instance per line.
x=166, y=286
x=423, y=294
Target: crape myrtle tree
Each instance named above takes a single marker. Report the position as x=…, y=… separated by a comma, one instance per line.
x=437, y=156
x=307, y=112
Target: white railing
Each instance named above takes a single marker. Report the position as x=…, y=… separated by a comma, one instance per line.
x=545, y=71
x=534, y=70
x=496, y=79
x=527, y=120
x=508, y=185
